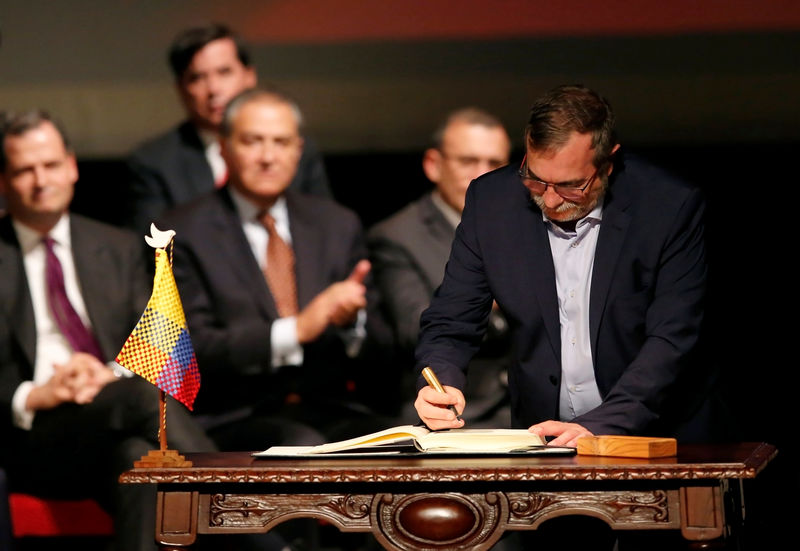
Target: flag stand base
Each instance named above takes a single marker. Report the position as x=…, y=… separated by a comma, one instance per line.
x=162, y=458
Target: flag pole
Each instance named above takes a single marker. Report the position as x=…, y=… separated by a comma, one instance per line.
x=162, y=426
x=162, y=457
x=179, y=377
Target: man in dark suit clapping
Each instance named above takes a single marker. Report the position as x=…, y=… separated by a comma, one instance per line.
x=274, y=284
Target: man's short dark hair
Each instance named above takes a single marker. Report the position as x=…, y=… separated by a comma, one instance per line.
x=18, y=123
x=572, y=108
x=191, y=41
x=468, y=115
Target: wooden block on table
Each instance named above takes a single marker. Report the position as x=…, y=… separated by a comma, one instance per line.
x=627, y=446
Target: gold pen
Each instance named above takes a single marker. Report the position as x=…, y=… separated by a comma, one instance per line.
x=434, y=383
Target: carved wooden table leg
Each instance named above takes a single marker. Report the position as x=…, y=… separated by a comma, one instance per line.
x=176, y=520
x=703, y=517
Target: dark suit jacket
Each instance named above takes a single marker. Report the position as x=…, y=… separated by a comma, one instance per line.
x=111, y=269
x=229, y=308
x=409, y=251
x=172, y=169
x=646, y=304
x=95, y=442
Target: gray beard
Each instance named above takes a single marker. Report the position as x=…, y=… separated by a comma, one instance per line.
x=578, y=212
x=563, y=207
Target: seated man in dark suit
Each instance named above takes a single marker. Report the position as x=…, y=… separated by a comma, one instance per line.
x=410, y=248
x=273, y=286
x=211, y=64
x=72, y=289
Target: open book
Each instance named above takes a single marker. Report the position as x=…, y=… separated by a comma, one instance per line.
x=420, y=439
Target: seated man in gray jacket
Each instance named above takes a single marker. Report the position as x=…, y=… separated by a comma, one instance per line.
x=409, y=250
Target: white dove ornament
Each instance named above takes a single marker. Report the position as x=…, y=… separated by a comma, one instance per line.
x=159, y=239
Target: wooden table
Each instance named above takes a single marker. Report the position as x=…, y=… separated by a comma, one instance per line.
x=455, y=503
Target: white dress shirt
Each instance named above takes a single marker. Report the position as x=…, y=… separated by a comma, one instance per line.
x=51, y=345
x=286, y=350
x=211, y=148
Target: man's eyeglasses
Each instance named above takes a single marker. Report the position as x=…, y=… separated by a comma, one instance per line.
x=568, y=190
x=470, y=162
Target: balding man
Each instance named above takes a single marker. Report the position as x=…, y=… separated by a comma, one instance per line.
x=409, y=251
x=274, y=288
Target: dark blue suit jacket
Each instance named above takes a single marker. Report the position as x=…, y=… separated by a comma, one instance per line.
x=646, y=304
x=229, y=308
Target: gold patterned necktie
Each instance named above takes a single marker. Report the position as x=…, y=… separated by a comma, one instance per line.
x=280, y=269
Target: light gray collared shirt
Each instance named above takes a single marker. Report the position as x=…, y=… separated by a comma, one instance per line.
x=573, y=260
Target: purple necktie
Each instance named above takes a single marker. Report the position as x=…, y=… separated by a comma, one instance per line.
x=67, y=319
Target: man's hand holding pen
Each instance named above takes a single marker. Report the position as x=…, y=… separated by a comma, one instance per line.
x=438, y=406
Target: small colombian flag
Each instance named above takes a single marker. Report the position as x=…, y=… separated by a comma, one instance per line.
x=159, y=348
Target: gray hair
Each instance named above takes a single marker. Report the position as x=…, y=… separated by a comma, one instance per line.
x=468, y=115
x=257, y=94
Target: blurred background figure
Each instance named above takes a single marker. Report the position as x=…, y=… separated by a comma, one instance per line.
x=72, y=290
x=409, y=251
x=275, y=290
x=210, y=64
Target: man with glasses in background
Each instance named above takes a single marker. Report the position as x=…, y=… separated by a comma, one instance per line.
x=410, y=248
